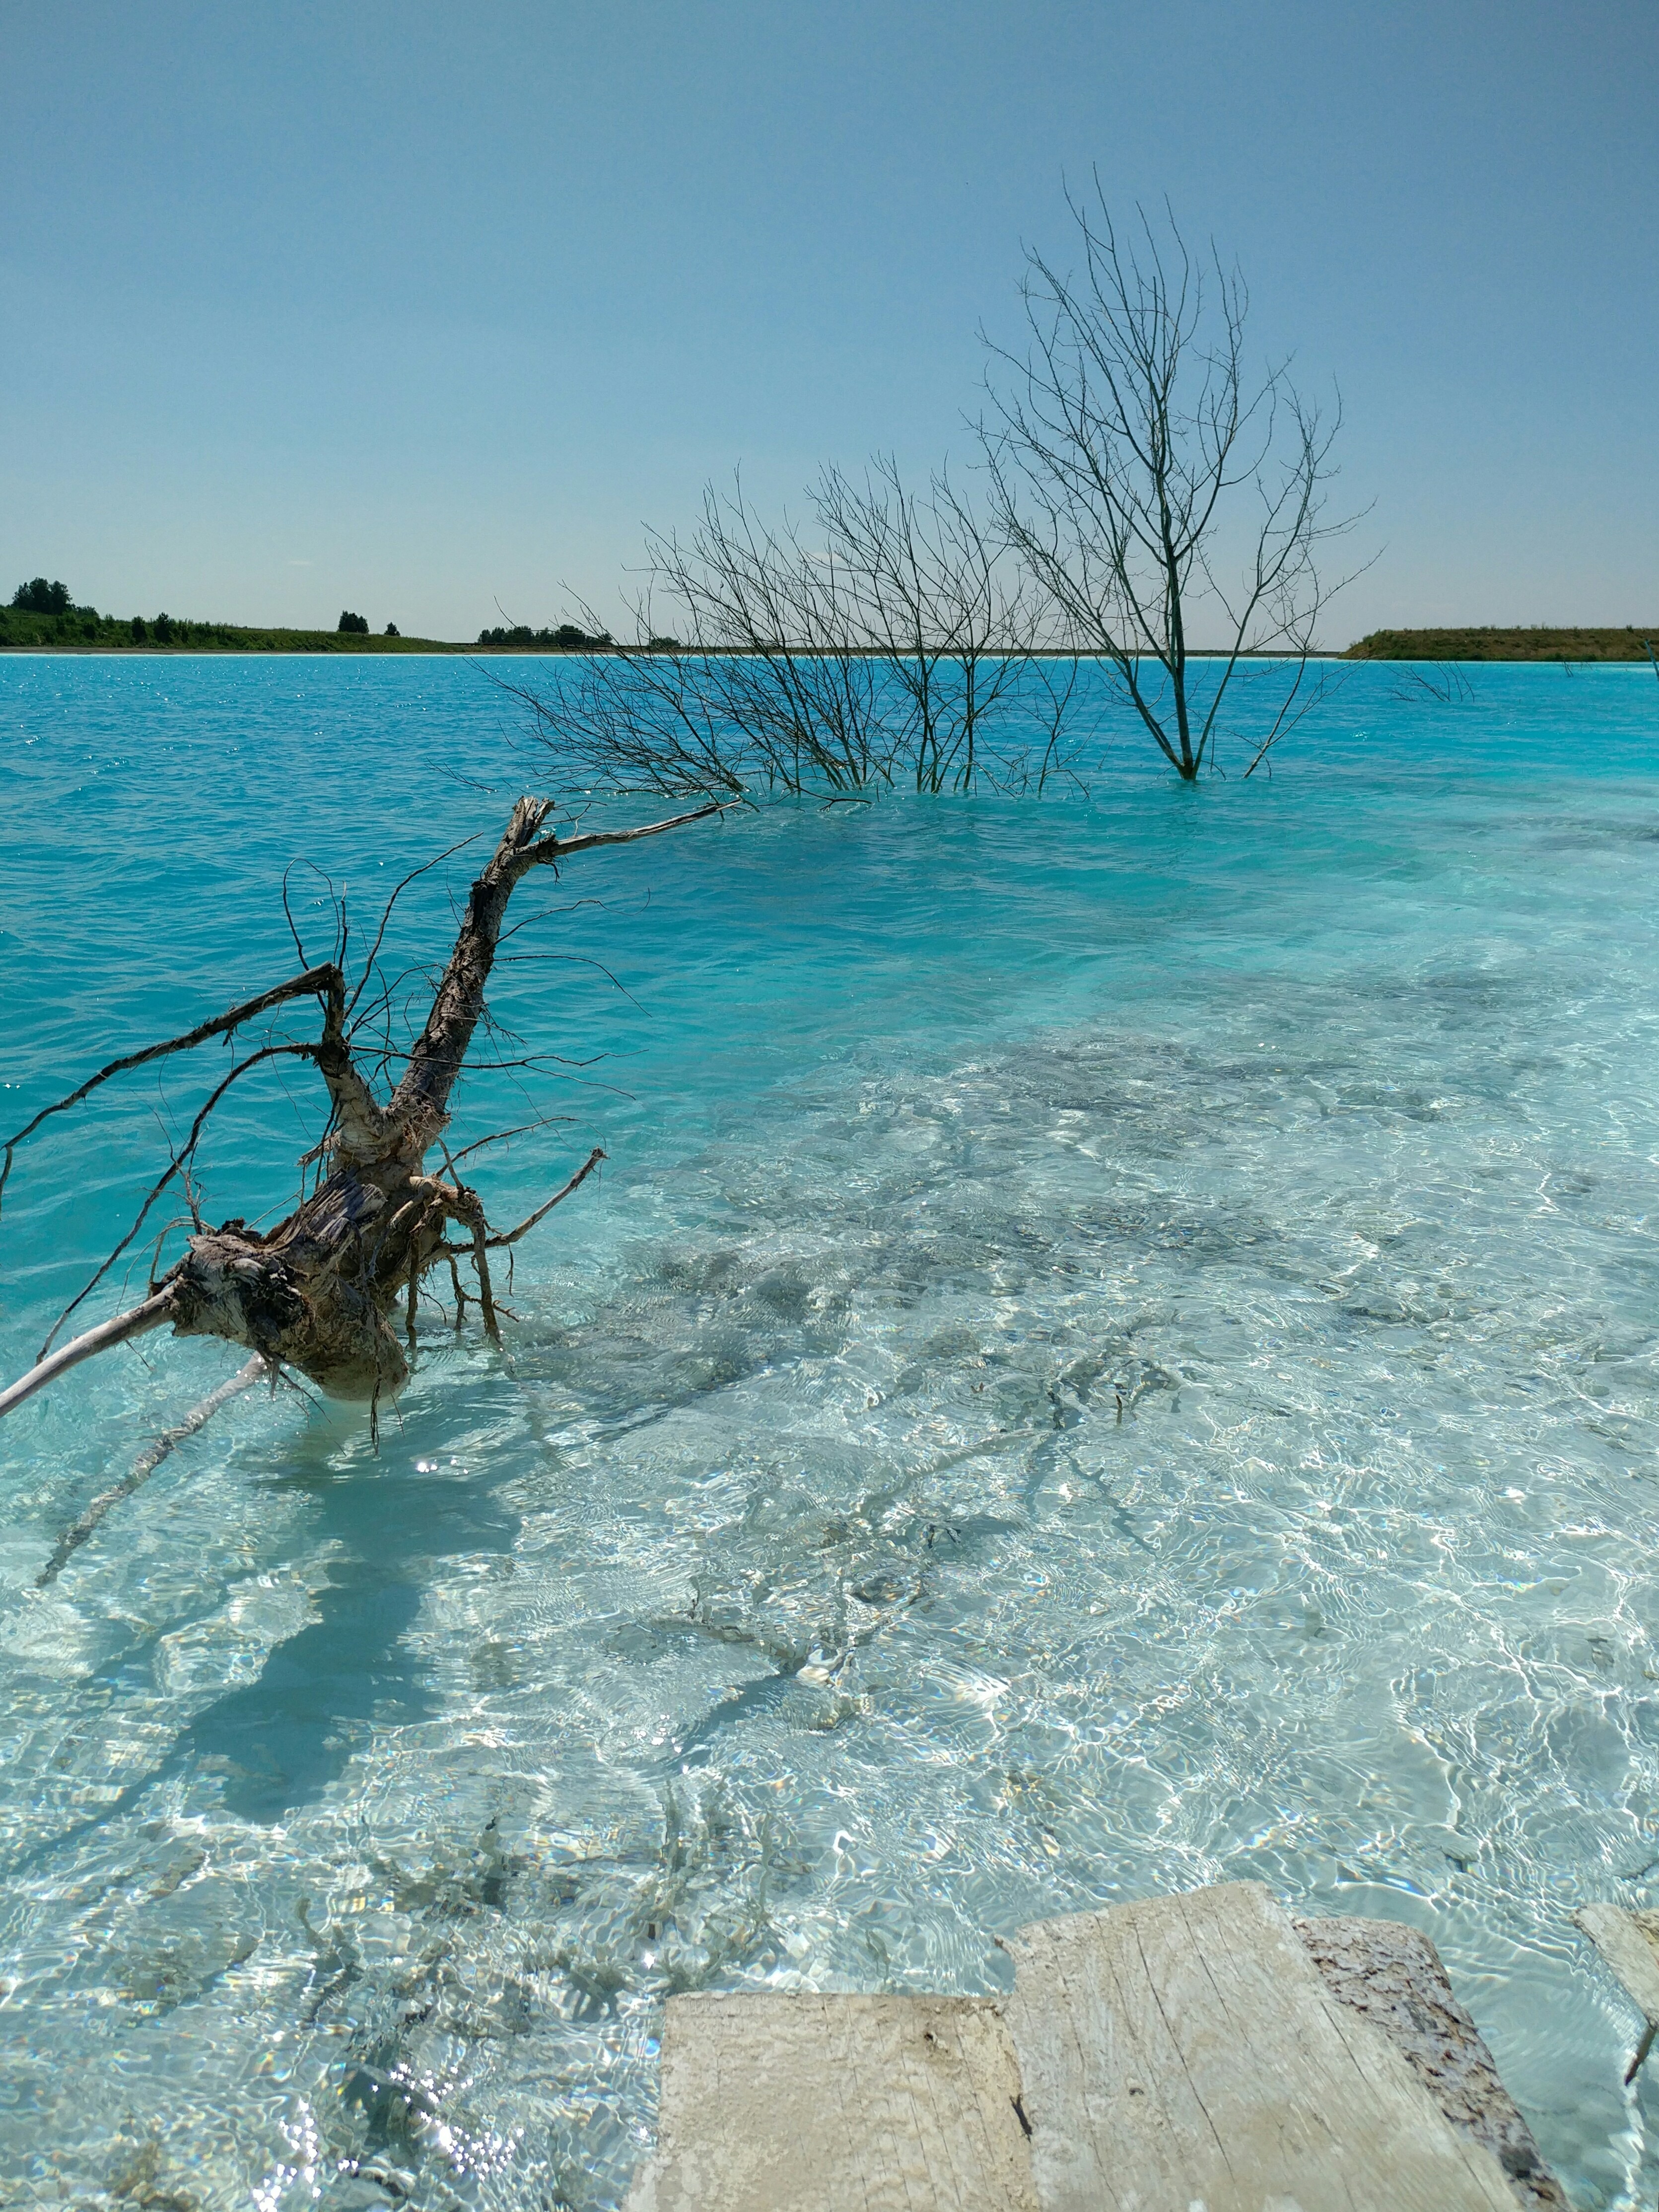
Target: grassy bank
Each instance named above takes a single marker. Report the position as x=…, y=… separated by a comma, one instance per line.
x=1538, y=643
x=80, y=629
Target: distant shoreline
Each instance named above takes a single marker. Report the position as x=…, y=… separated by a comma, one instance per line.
x=1539, y=643
x=263, y=652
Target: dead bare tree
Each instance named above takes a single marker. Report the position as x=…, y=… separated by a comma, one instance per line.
x=317, y=1293
x=1139, y=474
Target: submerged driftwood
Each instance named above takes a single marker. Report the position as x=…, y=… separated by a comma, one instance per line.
x=317, y=1294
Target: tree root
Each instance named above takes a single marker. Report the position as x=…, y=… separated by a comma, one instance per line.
x=137, y=1321
x=317, y=1293
x=146, y=1464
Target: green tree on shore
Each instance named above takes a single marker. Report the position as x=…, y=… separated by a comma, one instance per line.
x=40, y=598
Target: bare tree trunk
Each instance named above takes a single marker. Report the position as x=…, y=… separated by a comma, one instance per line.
x=315, y=1292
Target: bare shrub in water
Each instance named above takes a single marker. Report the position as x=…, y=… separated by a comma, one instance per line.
x=954, y=628
x=1140, y=480
x=892, y=644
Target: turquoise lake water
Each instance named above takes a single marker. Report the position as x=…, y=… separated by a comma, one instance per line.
x=1117, y=1347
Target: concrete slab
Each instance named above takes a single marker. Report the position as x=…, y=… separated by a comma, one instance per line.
x=1629, y=1941
x=1201, y=2053
x=1184, y=2052
x=776, y=2103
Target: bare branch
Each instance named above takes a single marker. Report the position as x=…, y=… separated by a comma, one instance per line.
x=324, y=982
x=504, y=1136
x=174, y=1167
x=425, y=868
x=556, y=849
x=512, y=1236
x=420, y=1101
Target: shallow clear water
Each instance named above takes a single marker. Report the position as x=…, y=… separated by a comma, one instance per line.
x=1118, y=1347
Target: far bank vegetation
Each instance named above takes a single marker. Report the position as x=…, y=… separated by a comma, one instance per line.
x=42, y=615
x=1538, y=642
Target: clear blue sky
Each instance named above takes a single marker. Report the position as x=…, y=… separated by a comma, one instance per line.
x=415, y=308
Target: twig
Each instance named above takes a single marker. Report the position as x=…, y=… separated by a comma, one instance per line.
x=580, y=1176
x=554, y=848
x=179, y=1160
x=500, y=1136
x=486, y=1296
x=380, y=935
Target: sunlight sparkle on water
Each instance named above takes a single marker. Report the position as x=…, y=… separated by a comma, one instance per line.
x=1115, y=1348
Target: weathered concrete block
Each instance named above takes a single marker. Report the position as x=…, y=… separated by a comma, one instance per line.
x=774, y=2103
x=1200, y=2051
x=1185, y=2051
x=1392, y=1977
